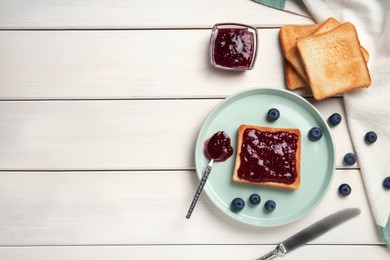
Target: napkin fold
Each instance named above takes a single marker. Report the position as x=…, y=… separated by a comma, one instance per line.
x=367, y=109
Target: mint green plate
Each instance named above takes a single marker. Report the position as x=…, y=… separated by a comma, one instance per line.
x=317, y=158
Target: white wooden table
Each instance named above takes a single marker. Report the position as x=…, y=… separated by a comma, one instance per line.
x=100, y=106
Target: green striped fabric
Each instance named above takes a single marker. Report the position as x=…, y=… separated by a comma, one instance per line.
x=385, y=232
x=292, y=6
x=278, y=4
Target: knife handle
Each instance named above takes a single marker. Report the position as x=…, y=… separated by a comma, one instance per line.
x=270, y=255
x=278, y=250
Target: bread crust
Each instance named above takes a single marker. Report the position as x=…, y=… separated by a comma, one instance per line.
x=294, y=70
x=293, y=56
x=288, y=35
x=293, y=186
x=292, y=78
x=330, y=24
x=334, y=62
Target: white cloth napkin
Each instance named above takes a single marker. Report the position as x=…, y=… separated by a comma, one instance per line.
x=367, y=109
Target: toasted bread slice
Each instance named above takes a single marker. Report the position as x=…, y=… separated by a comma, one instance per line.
x=294, y=59
x=334, y=62
x=292, y=78
x=365, y=54
x=268, y=156
x=292, y=54
x=330, y=24
x=289, y=34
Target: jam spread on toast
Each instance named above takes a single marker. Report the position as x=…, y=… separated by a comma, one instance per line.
x=268, y=156
x=234, y=48
x=219, y=147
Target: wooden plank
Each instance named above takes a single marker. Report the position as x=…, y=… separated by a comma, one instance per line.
x=114, y=135
x=126, y=64
x=44, y=14
x=191, y=252
x=138, y=208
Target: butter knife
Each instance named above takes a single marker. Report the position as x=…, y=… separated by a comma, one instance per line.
x=311, y=232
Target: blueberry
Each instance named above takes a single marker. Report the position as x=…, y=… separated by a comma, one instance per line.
x=315, y=134
x=349, y=159
x=270, y=205
x=237, y=205
x=334, y=119
x=386, y=183
x=254, y=199
x=370, y=137
x=273, y=114
x=345, y=190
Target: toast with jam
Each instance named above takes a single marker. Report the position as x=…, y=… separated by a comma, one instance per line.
x=268, y=156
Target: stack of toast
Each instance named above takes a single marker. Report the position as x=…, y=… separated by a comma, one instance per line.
x=326, y=57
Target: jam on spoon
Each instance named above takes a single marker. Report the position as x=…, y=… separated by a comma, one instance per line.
x=218, y=149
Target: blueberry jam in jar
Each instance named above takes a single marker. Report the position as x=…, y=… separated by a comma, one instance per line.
x=233, y=46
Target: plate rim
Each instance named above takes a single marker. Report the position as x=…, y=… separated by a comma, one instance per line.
x=265, y=90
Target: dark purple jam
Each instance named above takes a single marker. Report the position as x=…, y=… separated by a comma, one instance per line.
x=234, y=48
x=219, y=147
x=268, y=156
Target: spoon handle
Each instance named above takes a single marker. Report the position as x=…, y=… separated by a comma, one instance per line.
x=200, y=188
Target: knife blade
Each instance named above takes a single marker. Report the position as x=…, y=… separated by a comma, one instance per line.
x=311, y=232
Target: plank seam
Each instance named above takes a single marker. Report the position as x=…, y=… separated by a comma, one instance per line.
x=123, y=29
x=172, y=245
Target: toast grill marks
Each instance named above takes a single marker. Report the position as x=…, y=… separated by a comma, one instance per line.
x=334, y=62
x=268, y=156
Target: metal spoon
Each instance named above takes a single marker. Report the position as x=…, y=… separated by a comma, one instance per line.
x=200, y=188
x=218, y=149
